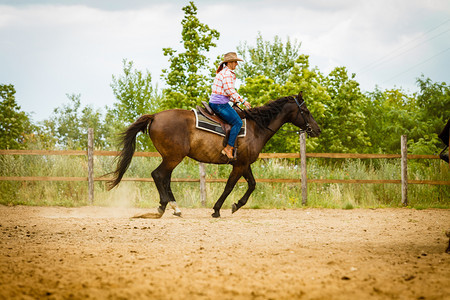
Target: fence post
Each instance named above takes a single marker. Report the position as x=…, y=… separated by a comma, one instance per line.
x=91, y=165
x=404, y=166
x=303, y=168
x=201, y=167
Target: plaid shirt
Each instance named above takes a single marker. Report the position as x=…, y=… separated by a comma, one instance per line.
x=224, y=85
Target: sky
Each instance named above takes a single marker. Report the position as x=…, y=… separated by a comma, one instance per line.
x=50, y=49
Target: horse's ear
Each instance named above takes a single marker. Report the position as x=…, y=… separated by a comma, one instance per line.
x=300, y=95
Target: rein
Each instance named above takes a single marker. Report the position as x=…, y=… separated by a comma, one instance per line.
x=308, y=129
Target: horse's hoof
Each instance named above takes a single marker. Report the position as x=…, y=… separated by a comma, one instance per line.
x=177, y=213
x=160, y=211
x=234, y=208
x=216, y=214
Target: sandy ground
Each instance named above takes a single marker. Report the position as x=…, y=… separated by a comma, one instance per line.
x=103, y=253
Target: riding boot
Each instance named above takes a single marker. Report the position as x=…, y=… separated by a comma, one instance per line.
x=228, y=151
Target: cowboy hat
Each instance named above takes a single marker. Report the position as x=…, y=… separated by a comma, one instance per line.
x=229, y=57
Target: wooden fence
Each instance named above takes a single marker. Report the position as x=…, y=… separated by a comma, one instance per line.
x=303, y=180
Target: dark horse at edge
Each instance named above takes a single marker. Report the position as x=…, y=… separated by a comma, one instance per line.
x=175, y=136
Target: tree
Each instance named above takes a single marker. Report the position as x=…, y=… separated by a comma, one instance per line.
x=308, y=80
x=15, y=125
x=187, y=78
x=392, y=113
x=135, y=96
x=388, y=116
x=272, y=60
x=433, y=102
x=259, y=90
x=344, y=122
x=432, y=111
x=68, y=125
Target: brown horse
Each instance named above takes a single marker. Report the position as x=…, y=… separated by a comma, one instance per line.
x=175, y=136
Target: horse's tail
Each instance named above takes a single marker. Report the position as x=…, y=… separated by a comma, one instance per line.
x=128, y=144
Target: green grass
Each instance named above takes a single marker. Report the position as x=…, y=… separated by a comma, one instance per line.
x=266, y=195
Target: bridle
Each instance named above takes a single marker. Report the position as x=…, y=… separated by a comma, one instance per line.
x=308, y=129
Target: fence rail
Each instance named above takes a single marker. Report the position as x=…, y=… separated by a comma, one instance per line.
x=202, y=179
x=261, y=155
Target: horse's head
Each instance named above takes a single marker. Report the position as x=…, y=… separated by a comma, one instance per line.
x=302, y=117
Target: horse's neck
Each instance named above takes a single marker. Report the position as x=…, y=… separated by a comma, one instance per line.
x=272, y=128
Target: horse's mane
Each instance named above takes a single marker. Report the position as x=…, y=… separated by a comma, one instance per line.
x=263, y=115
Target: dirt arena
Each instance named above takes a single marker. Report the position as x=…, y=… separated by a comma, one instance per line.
x=103, y=253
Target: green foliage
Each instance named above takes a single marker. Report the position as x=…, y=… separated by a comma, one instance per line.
x=15, y=125
x=260, y=89
x=187, y=79
x=388, y=115
x=343, y=123
x=134, y=93
x=424, y=145
x=68, y=126
x=392, y=113
x=271, y=60
x=350, y=120
x=433, y=112
x=303, y=78
x=135, y=96
x=433, y=101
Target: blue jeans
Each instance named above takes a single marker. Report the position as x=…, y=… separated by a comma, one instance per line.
x=226, y=112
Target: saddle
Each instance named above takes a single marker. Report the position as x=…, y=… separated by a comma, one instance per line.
x=209, y=114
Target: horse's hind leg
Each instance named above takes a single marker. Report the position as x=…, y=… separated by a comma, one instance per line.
x=173, y=204
x=158, y=177
x=248, y=175
x=161, y=176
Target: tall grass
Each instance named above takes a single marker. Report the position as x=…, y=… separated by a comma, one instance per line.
x=266, y=195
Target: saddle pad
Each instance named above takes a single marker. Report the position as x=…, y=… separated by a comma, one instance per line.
x=203, y=123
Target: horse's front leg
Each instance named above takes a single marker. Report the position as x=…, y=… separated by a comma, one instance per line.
x=248, y=175
x=236, y=173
